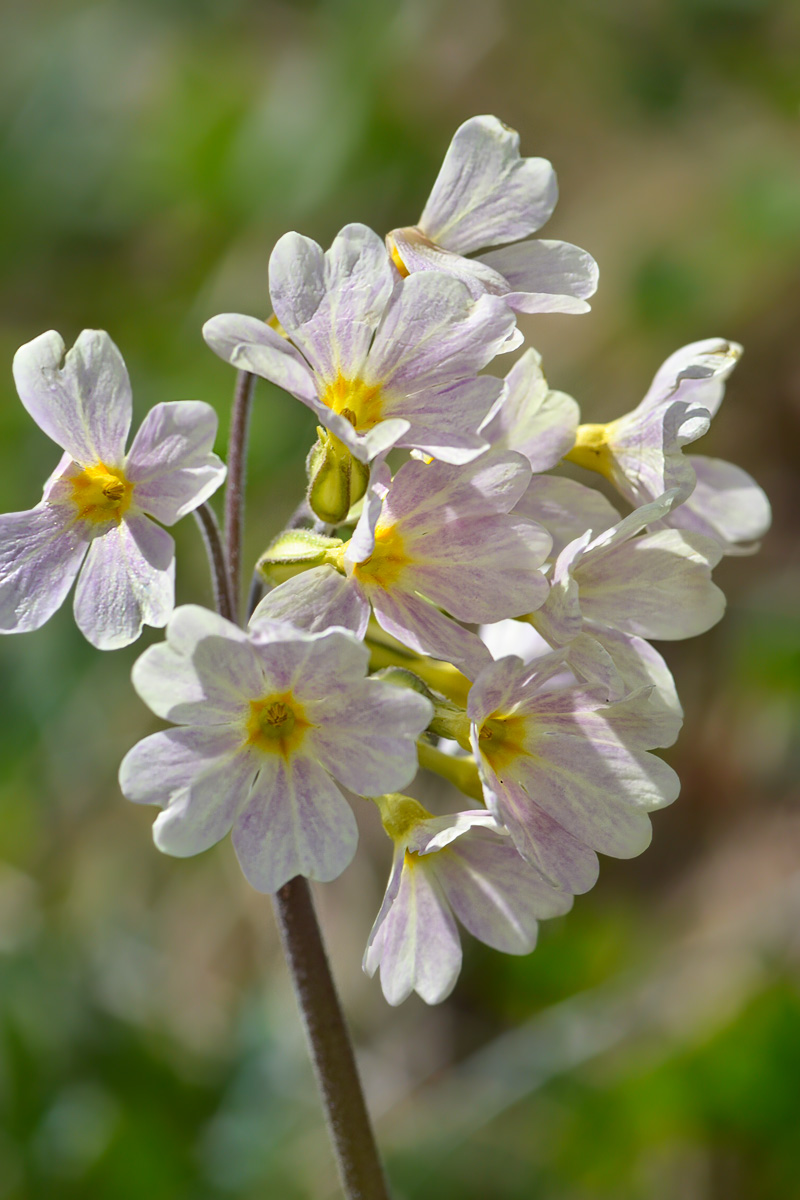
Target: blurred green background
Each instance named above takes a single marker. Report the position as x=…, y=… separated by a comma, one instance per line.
x=150, y=155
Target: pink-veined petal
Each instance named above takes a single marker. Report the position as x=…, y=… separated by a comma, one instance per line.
x=84, y=405
x=127, y=581
x=296, y=822
x=171, y=462
x=486, y=193
x=40, y=555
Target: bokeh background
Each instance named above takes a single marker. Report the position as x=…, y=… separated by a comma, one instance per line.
x=150, y=155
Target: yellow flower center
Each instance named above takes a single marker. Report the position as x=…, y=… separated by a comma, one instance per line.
x=101, y=493
x=592, y=449
x=501, y=740
x=361, y=403
x=277, y=724
x=388, y=560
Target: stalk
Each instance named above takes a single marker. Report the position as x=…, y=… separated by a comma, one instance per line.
x=234, y=488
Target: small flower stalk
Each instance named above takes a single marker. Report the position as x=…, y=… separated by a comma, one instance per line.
x=447, y=597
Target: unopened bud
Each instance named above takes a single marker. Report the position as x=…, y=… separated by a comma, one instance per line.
x=336, y=479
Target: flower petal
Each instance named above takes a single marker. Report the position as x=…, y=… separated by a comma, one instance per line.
x=369, y=743
x=201, y=779
x=127, y=581
x=495, y=893
x=84, y=405
x=330, y=303
x=251, y=345
x=197, y=676
x=540, y=270
x=726, y=504
x=696, y=374
x=420, y=625
x=566, y=509
x=171, y=463
x=485, y=193
x=296, y=822
x=317, y=600
x=530, y=419
x=40, y=555
x=433, y=334
x=654, y=586
x=415, y=942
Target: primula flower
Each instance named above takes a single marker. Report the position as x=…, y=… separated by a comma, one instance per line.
x=487, y=195
x=272, y=724
x=567, y=772
x=97, y=504
x=648, y=585
x=434, y=537
x=462, y=866
x=642, y=452
x=531, y=419
x=379, y=361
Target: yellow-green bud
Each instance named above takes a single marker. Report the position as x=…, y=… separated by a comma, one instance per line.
x=297, y=550
x=336, y=479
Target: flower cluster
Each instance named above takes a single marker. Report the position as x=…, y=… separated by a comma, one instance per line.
x=446, y=598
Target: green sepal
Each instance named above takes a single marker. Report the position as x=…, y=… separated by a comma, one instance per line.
x=294, y=551
x=336, y=480
x=402, y=677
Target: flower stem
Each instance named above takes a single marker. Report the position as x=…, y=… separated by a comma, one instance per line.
x=212, y=540
x=234, y=489
x=329, y=1042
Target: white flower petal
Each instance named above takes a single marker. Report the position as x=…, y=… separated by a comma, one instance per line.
x=84, y=405
x=296, y=822
x=201, y=779
x=317, y=600
x=330, y=303
x=566, y=509
x=432, y=334
x=654, y=586
x=251, y=345
x=530, y=419
x=496, y=895
x=126, y=582
x=369, y=742
x=485, y=193
x=415, y=942
x=171, y=463
x=40, y=555
x=726, y=504
x=540, y=270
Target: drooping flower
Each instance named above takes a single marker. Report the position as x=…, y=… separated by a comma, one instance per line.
x=463, y=866
x=271, y=724
x=566, y=772
x=641, y=453
x=436, y=537
x=98, y=502
x=380, y=361
x=487, y=195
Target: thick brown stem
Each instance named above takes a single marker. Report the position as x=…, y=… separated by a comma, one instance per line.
x=329, y=1041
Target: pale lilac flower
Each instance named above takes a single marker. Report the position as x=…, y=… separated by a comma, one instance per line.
x=487, y=195
x=463, y=866
x=435, y=537
x=642, y=452
x=97, y=504
x=272, y=723
x=650, y=585
x=380, y=361
x=566, y=772
x=530, y=418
